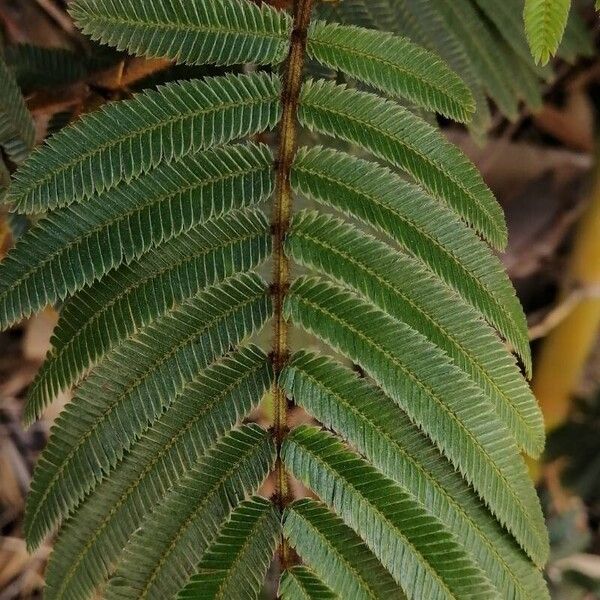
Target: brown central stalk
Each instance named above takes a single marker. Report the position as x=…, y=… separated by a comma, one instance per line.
x=282, y=208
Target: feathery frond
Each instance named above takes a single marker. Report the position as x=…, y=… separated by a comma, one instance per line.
x=435, y=395
x=397, y=136
x=300, y=583
x=220, y=32
x=396, y=283
x=373, y=423
x=488, y=55
x=482, y=40
x=391, y=64
x=75, y=246
x=383, y=200
x=335, y=553
x=409, y=542
x=421, y=22
x=107, y=312
x=153, y=233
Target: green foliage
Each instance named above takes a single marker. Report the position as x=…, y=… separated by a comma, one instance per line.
x=300, y=583
x=161, y=555
x=235, y=565
x=36, y=67
x=336, y=553
x=17, y=130
x=4, y=179
x=419, y=223
x=153, y=242
x=127, y=139
x=210, y=404
x=396, y=135
x=391, y=64
x=221, y=32
x=545, y=22
x=410, y=543
x=400, y=285
x=482, y=40
x=210, y=252
x=420, y=379
x=130, y=388
x=376, y=426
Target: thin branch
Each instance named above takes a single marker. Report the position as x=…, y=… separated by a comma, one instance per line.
x=563, y=309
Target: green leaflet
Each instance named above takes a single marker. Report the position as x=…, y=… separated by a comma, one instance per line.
x=336, y=554
x=235, y=565
x=76, y=245
x=92, y=540
x=219, y=32
x=485, y=46
x=545, y=22
x=300, y=583
x=508, y=19
x=484, y=50
x=17, y=131
x=372, y=423
x=436, y=396
x=411, y=544
x=37, y=66
x=482, y=42
x=125, y=139
x=161, y=556
x=383, y=200
x=396, y=135
x=398, y=285
x=134, y=295
x=527, y=87
x=127, y=392
x=393, y=65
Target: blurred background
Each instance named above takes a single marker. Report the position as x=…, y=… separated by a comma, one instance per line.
x=536, y=139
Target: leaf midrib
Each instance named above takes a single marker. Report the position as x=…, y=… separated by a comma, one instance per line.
x=184, y=27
